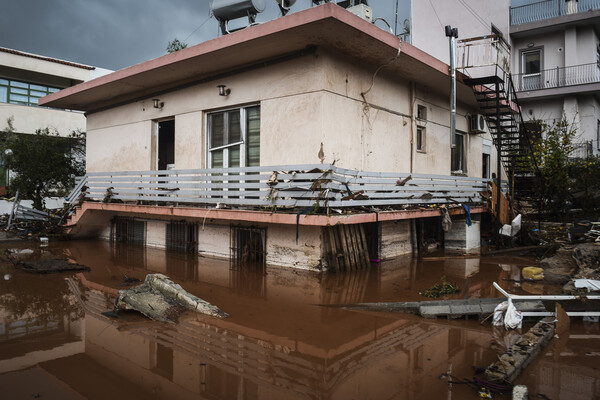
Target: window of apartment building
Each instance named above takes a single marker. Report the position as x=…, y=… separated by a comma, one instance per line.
x=486, y=159
x=531, y=69
x=457, y=156
x=421, y=119
x=420, y=138
x=23, y=93
x=234, y=138
x=422, y=113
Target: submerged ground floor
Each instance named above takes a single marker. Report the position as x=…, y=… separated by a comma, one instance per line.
x=285, y=337
x=317, y=242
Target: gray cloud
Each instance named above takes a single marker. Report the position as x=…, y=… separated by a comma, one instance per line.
x=118, y=33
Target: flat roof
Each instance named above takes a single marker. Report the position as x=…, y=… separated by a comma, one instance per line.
x=44, y=58
x=327, y=25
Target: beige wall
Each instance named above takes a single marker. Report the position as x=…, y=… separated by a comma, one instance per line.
x=28, y=119
x=304, y=102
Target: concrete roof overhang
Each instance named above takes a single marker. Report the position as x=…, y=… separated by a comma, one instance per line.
x=328, y=26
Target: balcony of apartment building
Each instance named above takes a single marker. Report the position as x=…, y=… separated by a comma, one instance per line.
x=535, y=82
x=552, y=12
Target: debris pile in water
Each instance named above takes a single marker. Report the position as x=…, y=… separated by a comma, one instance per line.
x=440, y=289
x=161, y=299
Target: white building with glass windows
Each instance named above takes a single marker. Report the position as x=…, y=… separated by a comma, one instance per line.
x=556, y=64
x=26, y=77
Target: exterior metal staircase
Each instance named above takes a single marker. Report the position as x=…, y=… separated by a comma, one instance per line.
x=499, y=104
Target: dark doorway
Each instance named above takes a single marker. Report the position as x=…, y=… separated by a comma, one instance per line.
x=372, y=237
x=166, y=144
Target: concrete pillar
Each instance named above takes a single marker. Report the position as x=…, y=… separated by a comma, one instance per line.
x=463, y=238
x=571, y=111
x=570, y=47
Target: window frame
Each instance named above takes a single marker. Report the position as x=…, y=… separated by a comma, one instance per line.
x=243, y=143
x=463, y=154
x=16, y=87
x=525, y=75
x=420, y=147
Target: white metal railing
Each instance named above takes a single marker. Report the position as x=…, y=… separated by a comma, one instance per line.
x=558, y=77
x=314, y=185
x=547, y=9
x=483, y=51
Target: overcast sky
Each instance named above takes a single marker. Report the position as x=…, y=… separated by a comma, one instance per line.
x=115, y=34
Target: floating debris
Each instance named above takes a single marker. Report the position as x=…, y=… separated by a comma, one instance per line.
x=161, y=299
x=440, y=289
x=51, y=266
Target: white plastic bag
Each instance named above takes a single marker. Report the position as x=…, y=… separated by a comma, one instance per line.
x=499, y=314
x=513, y=318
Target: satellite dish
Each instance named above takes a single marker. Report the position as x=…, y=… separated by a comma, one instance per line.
x=226, y=10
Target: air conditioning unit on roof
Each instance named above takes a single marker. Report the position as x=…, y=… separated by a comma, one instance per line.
x=477, y=123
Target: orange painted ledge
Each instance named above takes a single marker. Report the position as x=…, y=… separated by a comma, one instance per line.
x=166, y=212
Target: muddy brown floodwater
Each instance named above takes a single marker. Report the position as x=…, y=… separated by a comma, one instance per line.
x=282, y=341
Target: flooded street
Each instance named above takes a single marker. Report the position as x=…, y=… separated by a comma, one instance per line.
x=284, y=339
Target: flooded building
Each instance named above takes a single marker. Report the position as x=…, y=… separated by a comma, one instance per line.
x=291, y=143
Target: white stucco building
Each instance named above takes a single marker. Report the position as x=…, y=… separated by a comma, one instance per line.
x=280, y=102
x=556, y=64
x=26, y=77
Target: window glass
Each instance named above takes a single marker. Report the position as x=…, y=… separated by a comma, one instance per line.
x=216, y=159
x=38, y=87
x=3, y=94
x=458, y=154
x=234, y=156
x=18, y=98
x=37, y=94
x=531, y=61
x=18, y=91
x=217, y=129
x=234, y=128
x=253, y=137
x=3, y=82
x=420, y=138
x=53, y=90
x=19, y=84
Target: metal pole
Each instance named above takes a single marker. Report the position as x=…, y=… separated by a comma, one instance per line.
x=452, y=34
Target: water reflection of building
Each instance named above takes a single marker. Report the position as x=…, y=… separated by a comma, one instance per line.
x=221, y=359
x=36, y=323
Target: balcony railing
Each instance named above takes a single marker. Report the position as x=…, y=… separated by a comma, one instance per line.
x=317, y=186
x=558, y=77
x=550, y=9
x=581, y=150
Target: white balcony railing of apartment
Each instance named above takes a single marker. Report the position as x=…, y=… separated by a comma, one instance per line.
x=317, y=186
x=558, y=77
x=550, y=9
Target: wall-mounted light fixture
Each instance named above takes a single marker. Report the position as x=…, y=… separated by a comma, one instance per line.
x=158, y=104
x=223, y=91
x=530, y=44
